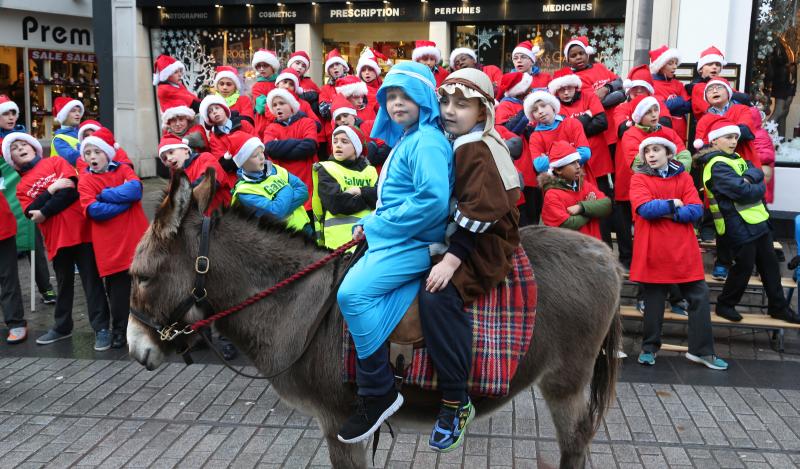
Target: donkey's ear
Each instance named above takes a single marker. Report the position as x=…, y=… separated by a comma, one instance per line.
x=204, y=192
x=174, y=206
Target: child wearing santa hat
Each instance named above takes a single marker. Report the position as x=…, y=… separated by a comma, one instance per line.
x=89, y=127
x=9, y=115
x=111, y=197
x=267, y=188
x=220, y=123
x=177, y=154
x=709, y=67
x=369, y=71
x=524, y=58
x=290, y=81
x=356, y=91
x=171, y=91
x=266, y=65
x=344, y=188
x=663, y=63
x=464, y=57
x=343, y=113
x=335, y=68
x=47, y=192
x=571, y=201
x=666, y=253
x=68, y=113
x=299, y=61
x=228, y=85
x=179, y=122
x=428, y=54
x=638, y=83
x=291, y=140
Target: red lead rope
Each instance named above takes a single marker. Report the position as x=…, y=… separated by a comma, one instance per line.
x=269, y=291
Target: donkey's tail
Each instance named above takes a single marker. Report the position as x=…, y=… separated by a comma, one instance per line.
x=604, y=378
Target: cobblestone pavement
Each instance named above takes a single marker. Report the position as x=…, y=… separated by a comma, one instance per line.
x=113, y=413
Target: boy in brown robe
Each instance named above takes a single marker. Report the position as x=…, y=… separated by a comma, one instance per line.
x=483, y=234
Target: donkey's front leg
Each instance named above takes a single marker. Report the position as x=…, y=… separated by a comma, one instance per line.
x=342, y=456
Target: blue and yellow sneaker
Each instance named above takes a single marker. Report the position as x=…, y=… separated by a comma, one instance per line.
x=451, y=425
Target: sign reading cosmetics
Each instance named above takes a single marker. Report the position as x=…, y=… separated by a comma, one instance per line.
x=374, y=12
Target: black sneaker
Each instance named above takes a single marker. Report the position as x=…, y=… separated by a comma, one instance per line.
x=118, y=340
x=370, y=414
x=728, y=313
x=788, y=315
x=49, y=297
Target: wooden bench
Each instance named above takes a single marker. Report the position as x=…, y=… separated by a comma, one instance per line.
x=749, y=321
x=755, y=282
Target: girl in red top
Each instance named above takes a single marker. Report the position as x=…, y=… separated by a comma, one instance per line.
x=266, y=65
x=228, y=85
x=426, y=53
x=663, y=63
x=171, y=91
x=299, y=61
x=110, y=195
x=220, y=123
x=177, y=155
x=291, y=141
x=335, y=68
x=48, y=195
x=511, y=124
x=369, y=71
x=13, y=312
x=569, y=201
x=524, y=57
x=666, y=204
x=179, y=122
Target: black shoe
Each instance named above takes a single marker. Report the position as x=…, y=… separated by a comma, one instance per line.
x=728, y=313
x=118, y=340
x=49, y=297
x=229, y=351
x=370, y=413
x=788, y=315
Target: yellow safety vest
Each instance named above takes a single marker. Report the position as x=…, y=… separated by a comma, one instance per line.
x=71, y=141
x=751, y=213
x=268, y=188
x=335, y=230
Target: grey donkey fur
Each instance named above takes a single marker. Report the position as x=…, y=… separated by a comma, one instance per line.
x=575, y=338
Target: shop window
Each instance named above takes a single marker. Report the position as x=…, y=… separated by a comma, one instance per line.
x=12, y=77
x=202, y=50
x=494, y=43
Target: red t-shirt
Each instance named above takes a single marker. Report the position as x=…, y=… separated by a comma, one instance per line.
x=170, y=95
x=114, y=240
x=303, y=128
x=8, y=222
x=66, y=228
x=593, y=78
x=627, y=150
x=197, y=169
x=600, y=163
x=569, y=130
x=664, y=251
x=243, y=106
x=556, y=202
x=666, y=90
x=738, y=114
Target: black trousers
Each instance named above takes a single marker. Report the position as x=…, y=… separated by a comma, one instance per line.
x=118, y=288
x=531, y=210
x=448, y=337
x=374, y=375
x=42, y=276
x=758, y=253
x=623, y=221
x=607, y=223
x=701, y=339
x=724, y=252
x=10, y=291
x=64, y=264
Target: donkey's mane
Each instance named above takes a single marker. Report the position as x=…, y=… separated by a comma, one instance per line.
x=266, y=223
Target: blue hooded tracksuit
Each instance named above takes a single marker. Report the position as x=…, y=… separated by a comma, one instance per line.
x=414, y=190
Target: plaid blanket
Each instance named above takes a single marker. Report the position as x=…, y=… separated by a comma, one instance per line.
x=501, y=334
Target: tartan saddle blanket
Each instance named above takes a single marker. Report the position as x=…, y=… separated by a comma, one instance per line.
x=502, y=327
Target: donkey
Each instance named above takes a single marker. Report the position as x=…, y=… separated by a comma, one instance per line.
x=575, y=339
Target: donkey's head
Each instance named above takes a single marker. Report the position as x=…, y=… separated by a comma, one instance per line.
x=163, y=270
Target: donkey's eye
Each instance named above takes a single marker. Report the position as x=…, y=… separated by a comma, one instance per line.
x=142, y=278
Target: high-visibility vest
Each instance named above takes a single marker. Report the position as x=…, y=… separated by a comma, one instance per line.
x=752, y=214
x=335, y=230
x=268, y=188
x=71, y=141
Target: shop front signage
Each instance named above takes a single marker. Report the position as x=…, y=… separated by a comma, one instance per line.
x=43, y=30
x=62, y=56
x=372, y=12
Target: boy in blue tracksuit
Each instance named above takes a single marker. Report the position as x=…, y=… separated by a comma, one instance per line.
x=414, y=189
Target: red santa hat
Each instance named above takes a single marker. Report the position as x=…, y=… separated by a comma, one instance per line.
x=718, y=81
x=265, y=56
x=341, y=105
x=539, y=95
x=562, y=154
x=514, y=84
x=370, y=59
x=659, y=57
x=225, y=71
x=640, y=105
x=426, y=48
x=659, y=137
x=7, y=105
x=104, y=140
x=335, y=57
x=172, y=142
x=299, y=56
x=210, y=100
x=564, y=77
x=462, y=50
x=527, y=48
x=720, y=125
x=174, y=112
x=88, y=124
x=287, y=96
x=62, y=107
x=13, y=137
x=710, y=55
x=639, y=76
x=165, y=66
x=242, y=146
x=289, y=74
x=350, y=85
x=580, y=41
x=355, y=135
